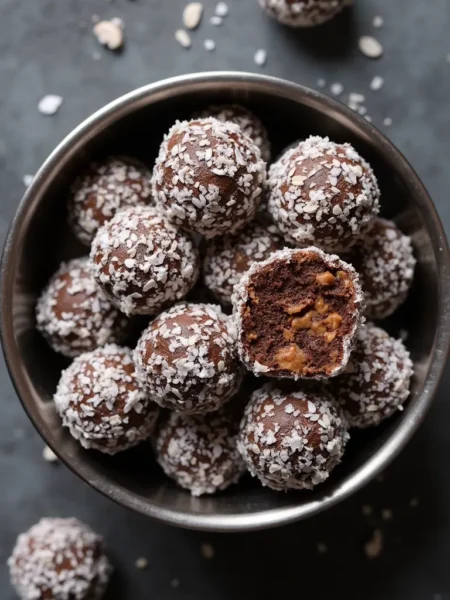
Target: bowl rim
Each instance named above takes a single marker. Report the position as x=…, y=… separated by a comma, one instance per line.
x=274, y=86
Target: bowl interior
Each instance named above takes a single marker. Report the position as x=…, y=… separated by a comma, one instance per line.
x=40, y=239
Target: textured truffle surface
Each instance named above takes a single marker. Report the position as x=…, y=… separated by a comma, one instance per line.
x=187, y=358
x=208, y=177
x=102, y=403
x=106, y=187
x=74, y=314
x=377, y=380
x=59, y=559
x=142, y=261
x=292, y=440
x=297, y=314
x=303, y=13
x=322, y=194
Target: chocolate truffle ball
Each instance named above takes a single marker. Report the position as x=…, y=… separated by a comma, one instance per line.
x=102, y=403
x=385, y=262
x=297, y=314
x=377, y=379
x=303, y=13
x=208, y=177
x=228, y=258
x=245, y=119
x=199, y=451
x=291, y=440
x=187, y=358
x=74, y=314
x=59, y=559
x=323, y=194
x=142, y=261
x=102, y=190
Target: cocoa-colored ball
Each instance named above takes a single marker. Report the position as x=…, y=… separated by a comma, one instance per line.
x=249, y=123
x=376, y=382
x=105, y=188
x=208, y=177
x=322, y=194
x=75, y=315
x=303, y=13
x=385, y=262
x=292, y=439
x=102, y=402
x=228, y=258
x=199, y=451
x=143, y=262
x=59, y=559
x=187, y=358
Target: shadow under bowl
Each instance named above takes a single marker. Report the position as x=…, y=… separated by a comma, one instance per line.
x=39, y=239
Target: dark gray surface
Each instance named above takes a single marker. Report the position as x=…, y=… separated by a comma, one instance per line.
x=44, y=50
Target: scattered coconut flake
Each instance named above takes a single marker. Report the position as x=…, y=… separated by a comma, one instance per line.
x=403, y=334
x=222, y=9
x=208, y=551
x=377, y=83
x=387, y=122
x=175, y=582
x=95, y=18
x=96, y=55
x=378, y=22
x=109, y=34
x=192, y=15
x=141, y=563
x=27, y=180
x=368, y=118
x=50, y=104
x=367, y=510
x=216, y=20
x=321, y=83
x=118, y=21
x=374, y=546
x=387, y=514
x=362, y=110
x=336, y=88
x=183, y=38
x=414, y=502
x=209, y=45
x=261, y=57
x=321, y=548
x=49, y=455
x=356, y=98
x=370, y=46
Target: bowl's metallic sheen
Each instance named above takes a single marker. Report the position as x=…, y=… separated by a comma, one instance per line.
x=39, y=238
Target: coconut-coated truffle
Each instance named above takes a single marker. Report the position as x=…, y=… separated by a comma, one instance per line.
x=249, y=123
x=74, y=314
x=208, y=177
x=322, y=194
x=187, y=358
x=228, y=258
x=103, y=189
x=142, y=262
x=377, y=379
x=199, y=451
x=303, y=13
x=59, y=559
x=385, y=262
x=102, y=402
x=297, y=314
x=292, y=440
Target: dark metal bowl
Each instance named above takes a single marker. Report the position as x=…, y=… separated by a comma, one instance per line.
x=39, y=239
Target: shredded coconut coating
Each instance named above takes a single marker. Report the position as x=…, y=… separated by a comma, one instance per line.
x=187, y=358
x=249, y=123
x=102, y=402
x=59, y=559
x=105, y=188
x=303, y=13
x=292, y=440
x=240, y=298
x=228, y=258
x=322, y=194
x=385, y=262
x=142, y=261
x=74, y=314
x=208, y=177
x=377, y=380
x=199, y=452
